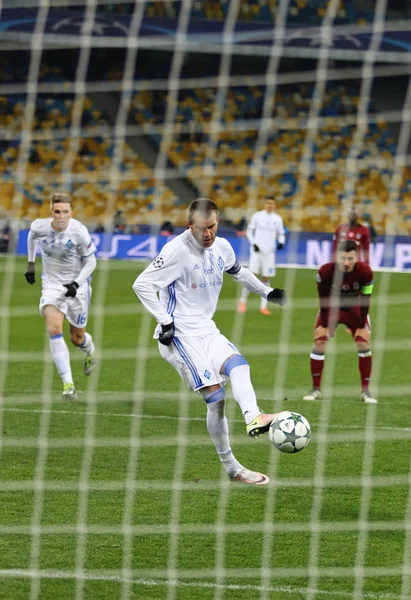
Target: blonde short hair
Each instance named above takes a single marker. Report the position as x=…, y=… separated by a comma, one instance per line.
x=60, y=197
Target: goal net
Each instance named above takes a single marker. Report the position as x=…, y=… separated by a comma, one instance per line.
x=135, y=109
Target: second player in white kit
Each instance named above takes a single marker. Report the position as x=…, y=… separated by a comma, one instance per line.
x=68, y=257
x=265, y=233
x=187, y=276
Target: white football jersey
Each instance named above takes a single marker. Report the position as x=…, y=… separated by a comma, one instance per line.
x=265, y=230
x=62, y=252
x=188, y=279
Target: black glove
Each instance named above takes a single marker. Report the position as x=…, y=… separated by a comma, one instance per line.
x=71, y=289
x=256, y=248
x=280, y=246
x=277, y=296
x=30, y=274
x=166, y=334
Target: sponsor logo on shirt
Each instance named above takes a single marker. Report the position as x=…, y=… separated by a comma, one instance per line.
x=211, y=283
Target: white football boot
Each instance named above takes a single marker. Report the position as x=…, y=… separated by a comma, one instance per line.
x=251, y=477
x=313, y=395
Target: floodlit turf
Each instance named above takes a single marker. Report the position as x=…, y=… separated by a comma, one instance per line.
x=121, y=495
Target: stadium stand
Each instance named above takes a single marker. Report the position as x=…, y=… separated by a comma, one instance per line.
x=236, y=145
x=136, y=193
x=307, y=12
x=237, y=149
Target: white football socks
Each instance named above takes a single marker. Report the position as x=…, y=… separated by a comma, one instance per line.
x=217, y=426
x=243, y=392
x=88, y=345
x=61, y=358
x=244, y=295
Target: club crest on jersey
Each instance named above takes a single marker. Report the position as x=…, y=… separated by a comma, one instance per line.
x=69, y=244
x=220, y=263
x=158, y=262
x=207, y=374
x=196, y=266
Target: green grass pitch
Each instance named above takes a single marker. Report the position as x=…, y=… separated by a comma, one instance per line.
x=334, y=520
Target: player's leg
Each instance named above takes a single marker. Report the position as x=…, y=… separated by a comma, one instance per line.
x=362, y=338
x=54, y=320
x=231, y=365
x=187, y=358
x=238, y=370
x=217, y=426
x=268, y=271
x=317, y=361
x=190, y=359
x=77, y=315
x=254, y=266
x=84, y=342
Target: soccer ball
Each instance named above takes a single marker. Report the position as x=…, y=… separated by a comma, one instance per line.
x=290, y=432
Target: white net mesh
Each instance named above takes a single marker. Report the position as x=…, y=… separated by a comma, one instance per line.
x=136, y=109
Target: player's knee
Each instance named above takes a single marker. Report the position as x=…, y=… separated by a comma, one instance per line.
x=320, y=342
x=235, y=360
x=76, y=337
x=54, y=330
x=362, y=344
x=213, y=395
x=319, y=346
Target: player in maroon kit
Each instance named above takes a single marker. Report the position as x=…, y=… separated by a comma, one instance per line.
x=344, y=289
x=353, y=230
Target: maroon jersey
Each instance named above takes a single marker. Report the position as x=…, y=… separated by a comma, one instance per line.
x=347, y=290
x=359, y=233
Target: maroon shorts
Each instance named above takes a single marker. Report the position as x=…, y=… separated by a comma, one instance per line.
x=350, y=318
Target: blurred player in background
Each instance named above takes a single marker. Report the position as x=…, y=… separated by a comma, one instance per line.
x=368, y=222
x=353, y=230
x=188, y=274
x=266, y=235
x=68, y=256
x=344, y=289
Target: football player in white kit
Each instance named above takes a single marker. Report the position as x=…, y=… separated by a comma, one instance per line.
x=266, y=235
x=68, y=257
x=188, y=275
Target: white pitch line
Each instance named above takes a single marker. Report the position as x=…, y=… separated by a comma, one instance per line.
x=54, y=574
x=349, y=394
x=169, y=417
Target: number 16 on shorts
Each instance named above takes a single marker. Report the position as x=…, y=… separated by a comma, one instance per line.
x=81, y=319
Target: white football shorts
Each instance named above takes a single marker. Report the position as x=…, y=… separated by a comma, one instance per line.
x=198, y=360
x=262, y=264
x=75, y=309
